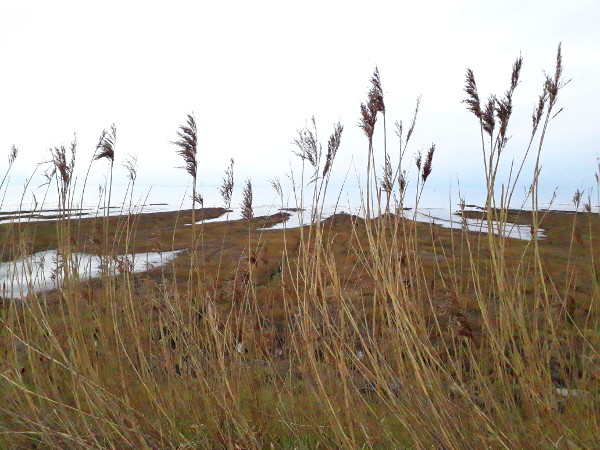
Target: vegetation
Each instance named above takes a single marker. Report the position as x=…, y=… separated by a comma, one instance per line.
x=377, y=332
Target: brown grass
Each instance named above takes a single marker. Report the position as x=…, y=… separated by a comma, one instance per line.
x=378, y=332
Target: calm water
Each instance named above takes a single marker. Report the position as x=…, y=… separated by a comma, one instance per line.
x=174, y=197
x=437, y=206
x=38, y=272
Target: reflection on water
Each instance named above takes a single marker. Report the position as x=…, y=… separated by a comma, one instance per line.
x=41, y=271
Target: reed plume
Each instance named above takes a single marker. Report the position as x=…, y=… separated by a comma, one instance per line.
x=188, y=145
x=367, y=120
x=12, y=156
x=538, y=111
x=332, y=147
x=276, y=184
x=577, y=198
x=106, y=144
x=247, y=211
x=428, y=166
x=503, y=108
x=555, y=83
x=403, y=184
x=309, y=149
x=60, y=164
x=587, y=206
x=473, y=102
x=414, y=122
x=130, y=165
x=487, y=116
x=387, y=180
x=373, y=105
x=63, y=168
x=226, y=188
x=105, y=149
x=376, y=92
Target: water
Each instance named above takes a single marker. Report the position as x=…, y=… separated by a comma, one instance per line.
x=148, y=198
x=38, y=272
x=41, y=271
x=436, y=206
x=435, y=216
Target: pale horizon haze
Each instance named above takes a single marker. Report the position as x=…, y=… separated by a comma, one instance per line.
x=255, y=72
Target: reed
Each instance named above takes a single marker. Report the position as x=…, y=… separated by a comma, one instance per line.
x=188, y=150
x=247, y=210
x=371, y=332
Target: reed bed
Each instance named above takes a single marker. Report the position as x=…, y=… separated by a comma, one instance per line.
x=371, y=332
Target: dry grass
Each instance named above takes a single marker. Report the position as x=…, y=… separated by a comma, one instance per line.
x=379, y=332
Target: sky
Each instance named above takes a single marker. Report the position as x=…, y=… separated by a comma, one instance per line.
x=253, y=73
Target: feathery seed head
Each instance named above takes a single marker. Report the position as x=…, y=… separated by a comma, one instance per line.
x=376, y=93
x=130, y=165
x=587, y=206
x=555, y=83
x=403, y=182
x=374, y=104
x=277, y=186
x=198, y=199
x=367, y=120
x=106, y=144
x=472, y=100
x=577, y=198
x=12, y=155
x=503, y=107
x=398, y=130
x=487, y=115
x=247, y=211
x=538, y=111
x=226, y=188
x=414, y=121
x=387, y=181
x=428, y=166
x=308, y=147
x=332, y=146
x=516, y=72
x=188, y=144
x=60, y=163
x=503, y=113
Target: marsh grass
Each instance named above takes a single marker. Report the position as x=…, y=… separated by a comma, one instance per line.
x=376, y=332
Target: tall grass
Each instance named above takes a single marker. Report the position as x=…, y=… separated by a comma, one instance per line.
x=376, y=332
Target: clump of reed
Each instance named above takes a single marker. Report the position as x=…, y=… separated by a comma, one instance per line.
x=106, y=150
x=369, y=111
x=247, y=210
x=348, y=332
x=226, y=188
x=188, y=150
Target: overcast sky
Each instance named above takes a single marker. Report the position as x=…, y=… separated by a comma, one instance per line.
x=255, y=72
